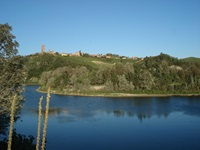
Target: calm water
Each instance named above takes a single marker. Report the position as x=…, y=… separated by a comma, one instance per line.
x=93, y=123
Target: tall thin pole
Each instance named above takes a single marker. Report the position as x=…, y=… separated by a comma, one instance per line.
x=39, y=123
x=12, y=114
x=46, y=119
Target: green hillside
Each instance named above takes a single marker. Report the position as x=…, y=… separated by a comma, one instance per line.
x=192, y=59
x=36, y=64
x=73, y=74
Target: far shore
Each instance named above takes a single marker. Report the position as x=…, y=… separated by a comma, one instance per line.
x=117, y=94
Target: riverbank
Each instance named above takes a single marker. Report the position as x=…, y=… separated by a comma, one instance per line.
x=92, y=94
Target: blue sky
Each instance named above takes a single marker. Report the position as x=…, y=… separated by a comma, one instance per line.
x=125, y=27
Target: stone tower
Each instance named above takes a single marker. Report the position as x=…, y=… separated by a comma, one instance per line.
x=43, y=49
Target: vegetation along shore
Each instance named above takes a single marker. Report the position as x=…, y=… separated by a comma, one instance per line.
x=116, y=94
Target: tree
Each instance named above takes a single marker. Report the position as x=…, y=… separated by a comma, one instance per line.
x=11, y=70
x=8, y=44
x=124, y=85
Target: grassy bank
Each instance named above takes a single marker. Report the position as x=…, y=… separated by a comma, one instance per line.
x=118, y=94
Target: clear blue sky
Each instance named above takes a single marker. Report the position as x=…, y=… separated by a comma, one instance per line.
x=125, y=27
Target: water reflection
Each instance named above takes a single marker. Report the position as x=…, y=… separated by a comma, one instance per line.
x=122, y=113
x=70, y=109
x=53, y=112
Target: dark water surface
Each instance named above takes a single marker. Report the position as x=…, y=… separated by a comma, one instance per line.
x=96, y=123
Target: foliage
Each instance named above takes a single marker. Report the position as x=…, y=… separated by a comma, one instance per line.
x=4, y=119
x=11, y=70
x=159, y=74
x=8, y=44
x=19, y=142
x=192, y=60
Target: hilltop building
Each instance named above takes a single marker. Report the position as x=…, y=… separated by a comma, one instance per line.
x=51, y=52
x=79, y=53
x=43, y=49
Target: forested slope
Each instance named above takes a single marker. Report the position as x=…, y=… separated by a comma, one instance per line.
x=159, y=74
x=192, y=59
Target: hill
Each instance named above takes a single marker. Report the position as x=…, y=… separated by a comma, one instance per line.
x=73, y=74
x=36, y=64
x=192, y=59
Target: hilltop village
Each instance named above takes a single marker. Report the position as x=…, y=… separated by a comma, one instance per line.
x=82, y=54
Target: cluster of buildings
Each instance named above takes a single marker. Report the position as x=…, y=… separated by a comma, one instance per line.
x=80, y=54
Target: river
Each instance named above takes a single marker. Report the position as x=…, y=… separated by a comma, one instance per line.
x=98, y=123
